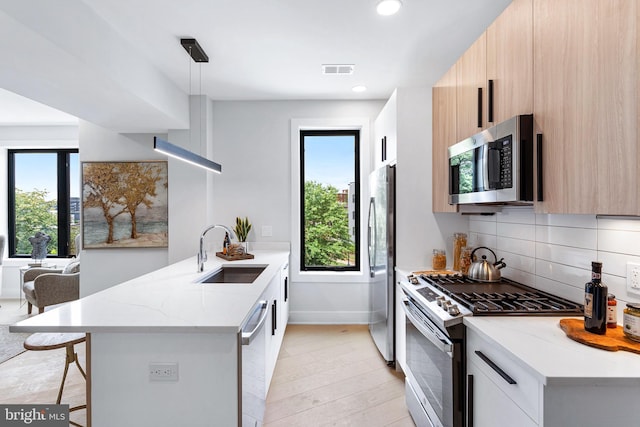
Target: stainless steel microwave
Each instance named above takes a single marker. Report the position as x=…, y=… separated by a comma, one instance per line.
x=495, y=165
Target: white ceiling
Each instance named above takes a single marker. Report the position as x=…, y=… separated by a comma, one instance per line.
x=258, y=49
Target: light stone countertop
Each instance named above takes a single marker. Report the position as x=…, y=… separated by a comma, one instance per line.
x=165, y=300
x=539, y=344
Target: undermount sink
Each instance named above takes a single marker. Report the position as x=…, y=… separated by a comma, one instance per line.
x=234, y=274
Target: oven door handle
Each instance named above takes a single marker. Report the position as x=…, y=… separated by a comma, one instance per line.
x=442, y=345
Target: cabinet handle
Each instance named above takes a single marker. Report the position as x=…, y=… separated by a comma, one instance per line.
x=490, y=101
x=286, y=289
x=384, y=148
x=479, y=107
x=495, y=367
x=539, y=166
x=469, y=400
x=274, y=317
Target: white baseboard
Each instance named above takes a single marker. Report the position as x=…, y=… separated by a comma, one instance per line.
x=329, y=317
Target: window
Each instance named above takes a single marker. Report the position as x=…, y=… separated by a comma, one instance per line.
x=329, y=199
x=42, y=198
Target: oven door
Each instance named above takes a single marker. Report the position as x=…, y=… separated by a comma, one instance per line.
x=433, y=362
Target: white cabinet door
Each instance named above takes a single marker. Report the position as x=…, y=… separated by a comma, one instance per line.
x=386, y=124
x=489, y=405
x=401, y=330
x=273, y=340
x=284, y=296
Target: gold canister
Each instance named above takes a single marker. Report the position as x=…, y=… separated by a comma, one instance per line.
x=459, y=241
x=439, y=260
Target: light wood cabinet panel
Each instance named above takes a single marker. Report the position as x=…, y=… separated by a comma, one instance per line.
x=471, y=72
x=585, y=104
x=510, y=62
x=444, y=135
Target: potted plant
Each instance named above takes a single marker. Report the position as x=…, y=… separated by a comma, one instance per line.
x=242, y=228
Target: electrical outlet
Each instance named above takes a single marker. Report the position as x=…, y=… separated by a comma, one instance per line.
x=633, y=278
x=163, y=371
x=267, y=231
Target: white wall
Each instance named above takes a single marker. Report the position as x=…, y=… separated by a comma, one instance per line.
x=554, y=252
x=252, y=141
x=103, y=268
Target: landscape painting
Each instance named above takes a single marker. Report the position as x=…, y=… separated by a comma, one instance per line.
x=124, y=204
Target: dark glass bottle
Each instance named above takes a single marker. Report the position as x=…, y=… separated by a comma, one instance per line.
x=595, y=302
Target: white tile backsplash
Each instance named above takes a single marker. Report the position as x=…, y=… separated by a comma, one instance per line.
x=518, y=231
x=567, y=255
x=484, y=227
x=585, y=238
x=620, y=241
x=554, y=252
x=516, y=246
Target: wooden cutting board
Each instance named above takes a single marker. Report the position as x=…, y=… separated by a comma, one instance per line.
x=234, y=257
x=614, y=340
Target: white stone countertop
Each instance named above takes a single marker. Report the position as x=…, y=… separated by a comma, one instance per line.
x=166, y=300
x=539, y=344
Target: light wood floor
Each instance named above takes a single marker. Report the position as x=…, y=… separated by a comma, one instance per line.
x=33, y=377
x=325, y=376
x=333, y=375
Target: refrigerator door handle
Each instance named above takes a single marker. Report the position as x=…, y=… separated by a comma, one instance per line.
x=371, y=238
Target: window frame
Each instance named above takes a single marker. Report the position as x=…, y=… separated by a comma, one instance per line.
x=356, y=134
x=64, y=193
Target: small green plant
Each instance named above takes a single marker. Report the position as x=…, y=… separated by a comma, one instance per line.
x=242, y=228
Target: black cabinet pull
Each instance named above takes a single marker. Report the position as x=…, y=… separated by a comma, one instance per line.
x=539, y=166
x=469, y=400
x=286, y=289
x=384, y=149
x=274, y=317
x=490, y=101
x=495, y=367
x=479, y=107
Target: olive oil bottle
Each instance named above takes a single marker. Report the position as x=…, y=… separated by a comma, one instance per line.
x=595, y=302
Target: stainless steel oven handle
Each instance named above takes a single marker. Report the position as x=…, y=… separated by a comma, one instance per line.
x=444, y=346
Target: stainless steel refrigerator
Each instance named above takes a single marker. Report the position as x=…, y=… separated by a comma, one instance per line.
x=381, y=247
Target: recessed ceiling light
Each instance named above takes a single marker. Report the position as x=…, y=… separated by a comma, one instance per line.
x=388, y=7
x=359, y=88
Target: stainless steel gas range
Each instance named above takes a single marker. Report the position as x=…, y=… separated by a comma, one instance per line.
x=435, y=306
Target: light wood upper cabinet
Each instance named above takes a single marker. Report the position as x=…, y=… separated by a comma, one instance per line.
x=586, y=104
x=510, y=62
x=444, y=135
x=471, y=76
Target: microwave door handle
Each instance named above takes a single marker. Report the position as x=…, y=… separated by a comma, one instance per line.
x=484, y=156
x=443, y=346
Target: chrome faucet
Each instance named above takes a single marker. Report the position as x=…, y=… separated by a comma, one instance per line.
x=202, y=254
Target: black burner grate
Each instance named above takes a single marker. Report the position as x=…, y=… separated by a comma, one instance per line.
x=504, y=297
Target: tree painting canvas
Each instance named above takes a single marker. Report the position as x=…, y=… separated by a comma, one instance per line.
x=124, y=204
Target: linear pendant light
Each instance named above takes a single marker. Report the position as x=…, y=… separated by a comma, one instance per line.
x=160, y=145
x=165, y=147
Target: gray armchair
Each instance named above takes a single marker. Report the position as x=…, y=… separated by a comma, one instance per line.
x=45, y=286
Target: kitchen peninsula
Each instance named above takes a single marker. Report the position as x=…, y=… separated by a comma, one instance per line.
x=168, y=317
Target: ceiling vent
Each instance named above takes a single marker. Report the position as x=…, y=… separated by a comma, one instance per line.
x=338, y=69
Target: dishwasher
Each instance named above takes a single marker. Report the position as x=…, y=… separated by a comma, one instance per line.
x=253, y=366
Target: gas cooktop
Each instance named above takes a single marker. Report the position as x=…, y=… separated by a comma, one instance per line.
x=505, y=297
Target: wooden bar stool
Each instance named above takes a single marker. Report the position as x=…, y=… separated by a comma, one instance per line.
x=50, y=341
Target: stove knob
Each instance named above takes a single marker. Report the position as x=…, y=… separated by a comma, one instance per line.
x=454, y=310
x=446, y=304
x=439, y=300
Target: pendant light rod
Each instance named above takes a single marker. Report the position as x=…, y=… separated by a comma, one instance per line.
x=165, y=147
